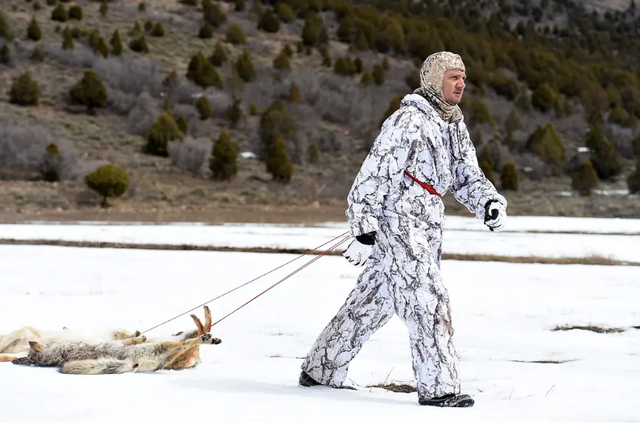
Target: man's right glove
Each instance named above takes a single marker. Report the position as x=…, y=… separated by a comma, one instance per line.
x=494, y=215
x=359, y=250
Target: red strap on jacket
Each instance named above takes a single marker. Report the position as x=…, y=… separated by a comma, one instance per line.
x=424, y=185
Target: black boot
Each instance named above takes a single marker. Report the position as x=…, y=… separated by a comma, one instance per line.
x=306, y=380
x=451, y=400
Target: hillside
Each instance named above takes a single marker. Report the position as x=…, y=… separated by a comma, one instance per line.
x=546, y=80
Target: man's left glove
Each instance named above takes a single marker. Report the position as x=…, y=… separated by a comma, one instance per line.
x=359, y=250
x=494, y=215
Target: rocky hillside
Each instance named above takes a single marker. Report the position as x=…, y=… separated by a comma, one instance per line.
x=203, y=105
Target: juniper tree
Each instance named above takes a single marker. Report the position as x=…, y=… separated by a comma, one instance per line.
x=584, y=179
x=604, y=156
x=116, y=43
x=224, y=158
x=67, y=41
x=5, y=29
x=204, y=108
x=25, y=91
x=235, y=34
x=109, y=181
x=269, y=22
x=34, y=32
x=244, y=66
x=59, y=13
x=219, y=56
x=162, y=131
x=89, y=91
x=509, y=176
x=278, y=161
x=633, y=180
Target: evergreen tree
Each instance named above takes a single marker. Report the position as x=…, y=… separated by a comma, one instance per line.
x=104, y=8
x=224, y=158
x=212, y=14
x=59, y=13
x=378, y=74
x=604, y=157
x=139, y=45
x=244, y=67
x=281, y=62
x=202, y=73
x=67, y=41
x=116, y=43
x=89, y=91
x=294, y=94
x=367, y=78
x=162, y=131
x=75, y=12
x=206, y=32
x=25, y=91
x=34, y=32
x=278, y=162
x=269, y=22
x=108, y=180
x=219, y=56
x=5, y=54
x=181, y=123
x=235, y=34
x=234, y=113
x=5, y=29
x=633, y=180
x=157, y=30
x=101, y=47
x=584, y=179
x=546, y=142
x=509, y=176
x=204, y=108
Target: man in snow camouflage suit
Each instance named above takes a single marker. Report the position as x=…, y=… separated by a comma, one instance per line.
x=395, y=212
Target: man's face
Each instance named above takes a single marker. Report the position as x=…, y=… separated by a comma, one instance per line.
x=453, y=85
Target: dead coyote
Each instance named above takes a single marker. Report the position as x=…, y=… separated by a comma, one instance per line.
x=118, y=352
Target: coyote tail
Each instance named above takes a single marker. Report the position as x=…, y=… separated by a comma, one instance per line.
x=106, y=366
x=100, y=366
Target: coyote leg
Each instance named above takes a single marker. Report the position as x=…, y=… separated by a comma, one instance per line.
x=202, y=329
x=120, y=334
x=14, y=338
x=134, y=341
x=173, y=346
x=10, y=357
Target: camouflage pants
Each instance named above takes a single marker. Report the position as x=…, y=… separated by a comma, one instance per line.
x=401, y=277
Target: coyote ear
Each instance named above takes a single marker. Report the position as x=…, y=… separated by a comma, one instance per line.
x=35, y=346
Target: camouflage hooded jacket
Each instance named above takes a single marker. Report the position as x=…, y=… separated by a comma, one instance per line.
x=416, y=139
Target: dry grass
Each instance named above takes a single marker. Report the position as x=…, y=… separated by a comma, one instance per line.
x=542, y=361
x=185, y=247
x=590, y=260
x=596, y=329
x=401, y=388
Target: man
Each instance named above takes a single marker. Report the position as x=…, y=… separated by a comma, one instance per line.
x=395, y=212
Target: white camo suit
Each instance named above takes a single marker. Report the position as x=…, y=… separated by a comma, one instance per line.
x=402, y=275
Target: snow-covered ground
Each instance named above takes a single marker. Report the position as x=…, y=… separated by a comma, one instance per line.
x=525, y=236
x=503, y=315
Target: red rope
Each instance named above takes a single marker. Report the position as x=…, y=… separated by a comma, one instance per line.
x=283, y=279
x=255, y=279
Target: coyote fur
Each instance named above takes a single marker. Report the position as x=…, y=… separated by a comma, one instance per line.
x=118, y=351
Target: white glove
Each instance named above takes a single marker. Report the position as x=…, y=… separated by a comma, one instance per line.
x=495, y=216
x=358, y=253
